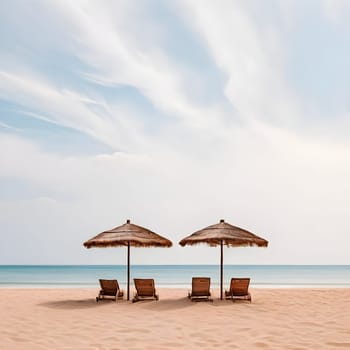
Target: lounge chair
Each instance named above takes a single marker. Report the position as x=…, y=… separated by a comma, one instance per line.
x=239, y=289
x=200, y=289
x=109, y=288
x=144, y=289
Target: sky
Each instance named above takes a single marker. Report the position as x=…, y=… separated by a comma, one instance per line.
x=174, y=114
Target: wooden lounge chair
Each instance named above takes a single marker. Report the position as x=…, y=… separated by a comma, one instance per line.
x=200, y=289
x=109, y=288
x=144, y=289
x=239, y=289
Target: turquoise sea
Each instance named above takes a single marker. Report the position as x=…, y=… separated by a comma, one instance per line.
x=175, y=275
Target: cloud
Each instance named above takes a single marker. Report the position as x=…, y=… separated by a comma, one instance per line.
x=6, y=126
x=118, y=53
x=193, y=137
x=70, y=109
x=279, y=186
x=251, y=55
x=336, y=11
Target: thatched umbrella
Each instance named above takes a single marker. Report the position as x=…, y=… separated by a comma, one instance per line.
x=128, y=235
x=224, y=233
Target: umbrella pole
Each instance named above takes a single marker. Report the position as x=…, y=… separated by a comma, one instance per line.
x=221, y=267
x=128, y=270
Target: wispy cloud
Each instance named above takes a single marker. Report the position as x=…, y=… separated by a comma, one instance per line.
x=69, y=109
x=202, y=114
x=251, y=54
x=6, y=126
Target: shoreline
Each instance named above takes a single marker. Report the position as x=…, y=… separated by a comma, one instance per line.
x=70, y=318
x=176, y=286
x=174, y=276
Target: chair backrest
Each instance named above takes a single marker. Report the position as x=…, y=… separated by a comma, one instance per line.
x=239, y=286
x=109, y=286
x=144, y=286
x=200, y=286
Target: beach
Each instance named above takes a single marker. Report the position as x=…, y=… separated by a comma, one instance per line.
x=70, y=318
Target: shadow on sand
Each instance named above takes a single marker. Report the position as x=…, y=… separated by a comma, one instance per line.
x=167, y=304
x=151, y=305
x=75, y=304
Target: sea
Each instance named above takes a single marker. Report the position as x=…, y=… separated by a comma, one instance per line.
x=175, y=276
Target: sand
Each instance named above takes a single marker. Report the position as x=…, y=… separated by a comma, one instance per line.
x=292, y=319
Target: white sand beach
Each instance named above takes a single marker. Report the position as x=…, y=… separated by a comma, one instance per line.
x=293, y=319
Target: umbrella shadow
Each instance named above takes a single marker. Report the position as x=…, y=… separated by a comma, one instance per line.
x=151, y=305
x=75, y=304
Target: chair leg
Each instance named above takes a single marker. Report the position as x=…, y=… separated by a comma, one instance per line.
x=98, y=298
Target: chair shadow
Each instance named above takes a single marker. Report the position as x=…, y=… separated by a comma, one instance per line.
x=167, y=304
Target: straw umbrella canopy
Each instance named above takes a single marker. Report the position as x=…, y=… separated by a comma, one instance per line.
x=224, y=234
x=128, y=235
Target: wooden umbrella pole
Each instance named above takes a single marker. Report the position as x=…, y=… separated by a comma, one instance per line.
x=128, y=270
x=221, y=268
